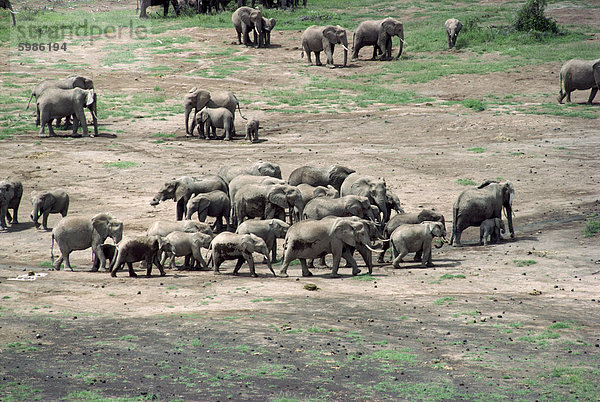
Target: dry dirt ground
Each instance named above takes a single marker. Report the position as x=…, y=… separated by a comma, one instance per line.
x=481, y=324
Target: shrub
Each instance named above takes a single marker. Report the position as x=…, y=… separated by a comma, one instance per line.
x=531, y=18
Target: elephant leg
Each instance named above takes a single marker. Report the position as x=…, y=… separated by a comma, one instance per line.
x=45, y=220
x=311, y=263
x=350, y=259
x=418, y=255
x=98, y=252
x=386, y=246
x=202, y=215
x=131, y=271
x=376, y=52
x=198, y=257
x=59, y=261
x=427, y=255
x=318, y=59
x=156, y=261
x=305, y=271
x=250, y=262
x=238, y=265
x=51, y=129
x=592, y=95
x=337, y=256
x=217, y=261
x=457, y=234
x=569, y=97
x=67, y=262
x=399, y=258
x=81, y=117
x=180, y=209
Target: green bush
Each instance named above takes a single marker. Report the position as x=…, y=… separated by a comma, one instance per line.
x=531, y=18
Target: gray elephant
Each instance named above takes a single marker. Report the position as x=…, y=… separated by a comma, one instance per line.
x=269, y=230
x=393, y=202
x=78, y=233
x=57, y=103
x=233, y=246
x=11, y=192
x=268, y=26
x=215, y=203
x=318, y=39
x=182, y=189
x=240, y=181
x=110, y=253
x=6, y=4
x=46, y=203
x=310, y=192
x=163, y=228
x=350, y=205
x=414, y=238
x=367, y=186
x=453, y=27
x=333, y=175
x=247, y=19
x=188, y=245
x=310, y=239
x=379, y=35
x=252, y=127
x=73, y=81
x=490, y=231
x=266, y=201
x=144, y=4
x=473, y=206
x=138, y=248
x=579, y=74
x=228, y=173
x=409, y=219
x=197, y=99
x=208, y=120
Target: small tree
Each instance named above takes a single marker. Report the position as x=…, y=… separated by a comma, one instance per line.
x=531, y=18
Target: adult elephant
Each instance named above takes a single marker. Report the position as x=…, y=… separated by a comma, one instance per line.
x=453, y=27
x=247, y=19
x=268, y=230
x=138, y=248
x=163, y=228
x=165, y=3
x=46, y=203
x=310, y=239
x=11, y=192
x=197, y=99
x=78, y=233
x=473, y=206
x=324, y=38
x=378, y=34
x=367, y=186
x=333, y=175
x=350, y=205
x=56, y=103
x=415, y=238
x=266, y=202
x=73, y=81
x=310, y=192
x=182, y=189
x=260, y=168
x=240, y=181
x=581, y=75
x=6, y=4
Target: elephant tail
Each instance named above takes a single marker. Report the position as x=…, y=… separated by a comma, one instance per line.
x=240, y=112
x=302, y=54
x=28, y=103
x=52, y=249
x=454, y=217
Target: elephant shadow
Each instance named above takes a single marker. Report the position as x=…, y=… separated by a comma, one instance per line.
x=106, y=135
x=437, y=263
x=19, y=227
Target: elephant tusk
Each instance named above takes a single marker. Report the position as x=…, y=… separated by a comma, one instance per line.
x=402, y=40
x=345, y=48
x=373, y=250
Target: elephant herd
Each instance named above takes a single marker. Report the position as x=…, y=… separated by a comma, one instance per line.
x=317, y=211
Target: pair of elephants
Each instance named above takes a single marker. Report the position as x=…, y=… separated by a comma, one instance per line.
x=249, y=19
x=211, y=110
x=65, y=97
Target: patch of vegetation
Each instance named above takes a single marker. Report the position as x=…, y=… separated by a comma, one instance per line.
x=447, y=300
x=592, y=226
x=524, y=263
x=394, y=355
x=531, y=18
x=540, y=339
x=121, y=164
x=46, y=264
x=474, y=104
x=317, y=330
x=164, y=135
x=264, y=299
x=465, y=182
x=450, y=276
x=560, y=325
x=21, y=347
x=477, y=150
x=364, y=277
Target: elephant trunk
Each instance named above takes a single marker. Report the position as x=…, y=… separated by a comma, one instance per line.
x=35, y=215
x=345, y=54
x=382, y=205
x=509, y=212
x=401, y=46
x=187, y=117
x=193, y=126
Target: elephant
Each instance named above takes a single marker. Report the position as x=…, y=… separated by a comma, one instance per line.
x=473, y=206
x=215, y=203
x=324, y=38
x=181, y=244
x=252, y=127
x=73, y=81
x=208, y=120
x=350, y=205
x=6, y=4
x=414, y=238
x=268, y=230
x=144, y=4
x=55, y=103
x=228, y=173
x=46, y=203
x=79, y=233
x=453, y=27
x=197, y=99
x=246, y=19
x=182, y=189
x=333, y=175
x=309, y=192
x=241, y=180
x=581, y=75
x=266, y=201
x=409, y=218
x=367, y=186
x=310, y=239
x=11, y=192
x=232, y=246
x=268, y=25
x=491, y=229
x=393, y=203
x=163, y=228
x=379, y=35
x=138, y=248
x=110, y=253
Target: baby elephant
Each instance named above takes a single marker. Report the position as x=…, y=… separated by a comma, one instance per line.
x=110, y=252
x=46, y=203
x=491, y=229
x=138, y=248
x=215, y=203
x=453, y=27
x=188, y=245
x=210, y=119
x=233, y=246
x=413, y=238
x=269, y=230
x=252, y=130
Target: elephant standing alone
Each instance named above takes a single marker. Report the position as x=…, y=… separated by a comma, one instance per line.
x=46, y=203
x=453, y=27
x=580, y=75
x=10, y=198
x=318, y=39
x=379, y=35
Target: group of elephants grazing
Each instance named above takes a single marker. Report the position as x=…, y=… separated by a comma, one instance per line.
x=317, y=211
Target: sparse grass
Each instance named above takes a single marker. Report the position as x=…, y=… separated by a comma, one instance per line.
x=121, y=164
x=364, y=277
x=465, y=182
x=592, y=226
x=474, y=104
x=450, y=276
x=477, y=150
x=444, y=301
x=524, y=263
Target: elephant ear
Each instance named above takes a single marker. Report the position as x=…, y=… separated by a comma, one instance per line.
x=277, y=196
x=90, y=97
x=344, y=231
x=487, y=183
x=48, y=200
x=330, y=34
x=202, y=203
x=387, y=27
x=78, y=82
x=458, y=27
x=247, y=243
x=202, y=98
x=100, y=224
x=180, y=191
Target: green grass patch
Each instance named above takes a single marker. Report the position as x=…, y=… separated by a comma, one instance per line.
x=450, y=276
x=592, y=226
x=541, y=339
x=474, y=104
x=317, y=330
x=394, y=356
x=560, y=325
x=444, y=301
x=364, y=277
x=477, y=150
x=524, y=263
x=164, y=135
x=465, y=182
x=121, y=164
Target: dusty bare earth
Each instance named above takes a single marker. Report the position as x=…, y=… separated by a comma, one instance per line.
x=476, y=326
